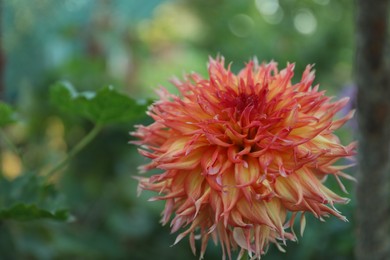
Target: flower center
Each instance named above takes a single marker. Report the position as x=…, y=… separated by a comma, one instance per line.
x=239, y=102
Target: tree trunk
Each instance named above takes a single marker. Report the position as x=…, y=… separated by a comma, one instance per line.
x=2, y=58
x=373, y=81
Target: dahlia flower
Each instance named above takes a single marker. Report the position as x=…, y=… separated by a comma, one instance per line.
x=242, y=156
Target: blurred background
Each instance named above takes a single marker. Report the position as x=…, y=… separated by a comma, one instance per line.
x=137, y=46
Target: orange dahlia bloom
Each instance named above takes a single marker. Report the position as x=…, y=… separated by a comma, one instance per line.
x=242, y=155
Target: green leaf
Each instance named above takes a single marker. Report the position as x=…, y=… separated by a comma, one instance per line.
x=28, y=197
x=6, y=114
x=26, y=212
x=104, y=106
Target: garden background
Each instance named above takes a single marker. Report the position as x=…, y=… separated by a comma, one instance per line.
x=136, y=46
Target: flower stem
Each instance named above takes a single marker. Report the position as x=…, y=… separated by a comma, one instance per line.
x=84, y=142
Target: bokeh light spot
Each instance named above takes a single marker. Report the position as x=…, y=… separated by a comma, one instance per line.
x=267, y=7
x=241, y=25
x=275, y=18
x=321, y=2
x=305, y=22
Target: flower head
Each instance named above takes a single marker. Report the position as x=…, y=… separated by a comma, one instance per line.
x=240, y=152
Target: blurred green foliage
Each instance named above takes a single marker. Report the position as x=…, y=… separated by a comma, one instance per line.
x=25, y=212
x=134, y=46
x=102, y=107
x=6, y=114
